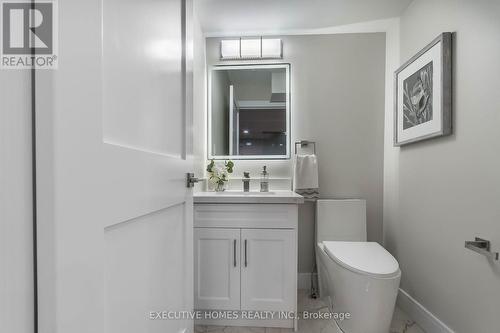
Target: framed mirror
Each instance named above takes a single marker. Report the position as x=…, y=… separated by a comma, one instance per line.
x=249, y=112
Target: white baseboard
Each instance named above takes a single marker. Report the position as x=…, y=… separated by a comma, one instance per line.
x=423, y=317
x=304, y=280
x=277, y=323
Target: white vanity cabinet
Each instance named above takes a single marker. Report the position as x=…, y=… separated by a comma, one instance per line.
x=246, y=259
x=269, y=271
x=217, y=268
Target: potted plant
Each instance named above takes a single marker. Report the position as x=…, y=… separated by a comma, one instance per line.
x=218, y=174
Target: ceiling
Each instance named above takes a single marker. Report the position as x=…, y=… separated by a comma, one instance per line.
x=240, y=16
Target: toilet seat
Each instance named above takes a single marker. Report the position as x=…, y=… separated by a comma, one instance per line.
x=366, y=258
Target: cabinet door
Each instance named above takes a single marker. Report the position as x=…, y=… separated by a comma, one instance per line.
x=217, y=269
x=268, y=270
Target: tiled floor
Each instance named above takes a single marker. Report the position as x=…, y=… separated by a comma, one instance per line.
x=401, y=323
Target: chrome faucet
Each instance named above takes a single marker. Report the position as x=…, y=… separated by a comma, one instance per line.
x=264, y=180
x=246, y=181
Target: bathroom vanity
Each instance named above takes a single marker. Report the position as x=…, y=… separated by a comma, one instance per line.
x=245, y=243
x=245, y=254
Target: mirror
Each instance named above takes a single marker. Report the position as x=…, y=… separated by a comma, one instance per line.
x=249, y=112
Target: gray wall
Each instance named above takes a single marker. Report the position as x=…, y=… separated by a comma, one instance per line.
x=16, y=263
x=447, y=190
x=251, y=85
x=337, y=100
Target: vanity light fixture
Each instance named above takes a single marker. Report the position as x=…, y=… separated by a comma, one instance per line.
x=251, y=48
x=272, y=48
x=230, y=49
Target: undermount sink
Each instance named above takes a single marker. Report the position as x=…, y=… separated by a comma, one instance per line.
x=248, y=197
x=245, y=193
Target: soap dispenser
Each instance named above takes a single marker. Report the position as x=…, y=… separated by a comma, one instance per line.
x=264, y=180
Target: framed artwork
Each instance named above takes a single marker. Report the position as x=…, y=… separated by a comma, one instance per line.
x=423, y=94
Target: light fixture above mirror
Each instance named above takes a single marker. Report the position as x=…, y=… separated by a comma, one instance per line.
x=251, y=48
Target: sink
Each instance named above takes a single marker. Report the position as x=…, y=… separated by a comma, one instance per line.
x=244, y=193
x=248, y=197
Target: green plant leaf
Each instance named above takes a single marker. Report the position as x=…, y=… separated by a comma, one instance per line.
x=210, y=166
x=229, y=166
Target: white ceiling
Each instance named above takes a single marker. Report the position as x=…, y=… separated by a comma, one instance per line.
x=240, y=16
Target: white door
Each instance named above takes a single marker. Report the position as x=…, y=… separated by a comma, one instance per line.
x=217, y=269
x=114, y=145
x=268, y=270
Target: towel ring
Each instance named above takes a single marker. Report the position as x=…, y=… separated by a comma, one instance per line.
x=305, y=143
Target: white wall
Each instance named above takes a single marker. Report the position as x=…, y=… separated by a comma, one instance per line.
x=337, y=91
x=442, y=192
x=220, y=114
x=16, y=232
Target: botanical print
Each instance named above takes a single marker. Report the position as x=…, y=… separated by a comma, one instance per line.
x=417, y=104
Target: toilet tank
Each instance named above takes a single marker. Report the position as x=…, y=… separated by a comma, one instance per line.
x=341, y=220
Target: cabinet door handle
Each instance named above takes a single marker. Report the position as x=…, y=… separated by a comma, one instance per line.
x=246, y=261
x=234, y=253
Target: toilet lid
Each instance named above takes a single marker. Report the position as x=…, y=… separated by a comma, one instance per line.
x=363, y=257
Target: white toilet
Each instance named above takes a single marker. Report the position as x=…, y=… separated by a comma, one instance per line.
x=358, y=277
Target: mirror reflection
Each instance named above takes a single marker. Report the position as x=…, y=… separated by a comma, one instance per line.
x=249, y=112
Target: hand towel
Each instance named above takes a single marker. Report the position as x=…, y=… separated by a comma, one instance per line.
x=306, y=176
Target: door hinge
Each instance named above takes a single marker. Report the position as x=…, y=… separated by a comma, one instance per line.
x=191, y=180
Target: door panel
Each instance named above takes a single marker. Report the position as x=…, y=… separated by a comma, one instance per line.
x=267, y=278
x=142, y=271
x=142, y=75
x=115, y=217
x=217, y=268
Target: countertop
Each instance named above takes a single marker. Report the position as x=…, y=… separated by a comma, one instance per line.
x=271, y=197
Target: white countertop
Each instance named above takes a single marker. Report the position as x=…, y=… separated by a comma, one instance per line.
x=271, y=197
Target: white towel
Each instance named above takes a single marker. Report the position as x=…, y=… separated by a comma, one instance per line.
x=306, y=176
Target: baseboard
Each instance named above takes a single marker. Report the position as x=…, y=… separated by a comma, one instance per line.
x=275, y=323
x=423, y=317
x=304, y=280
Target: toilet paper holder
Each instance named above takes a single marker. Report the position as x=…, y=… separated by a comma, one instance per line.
x=481, y=246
